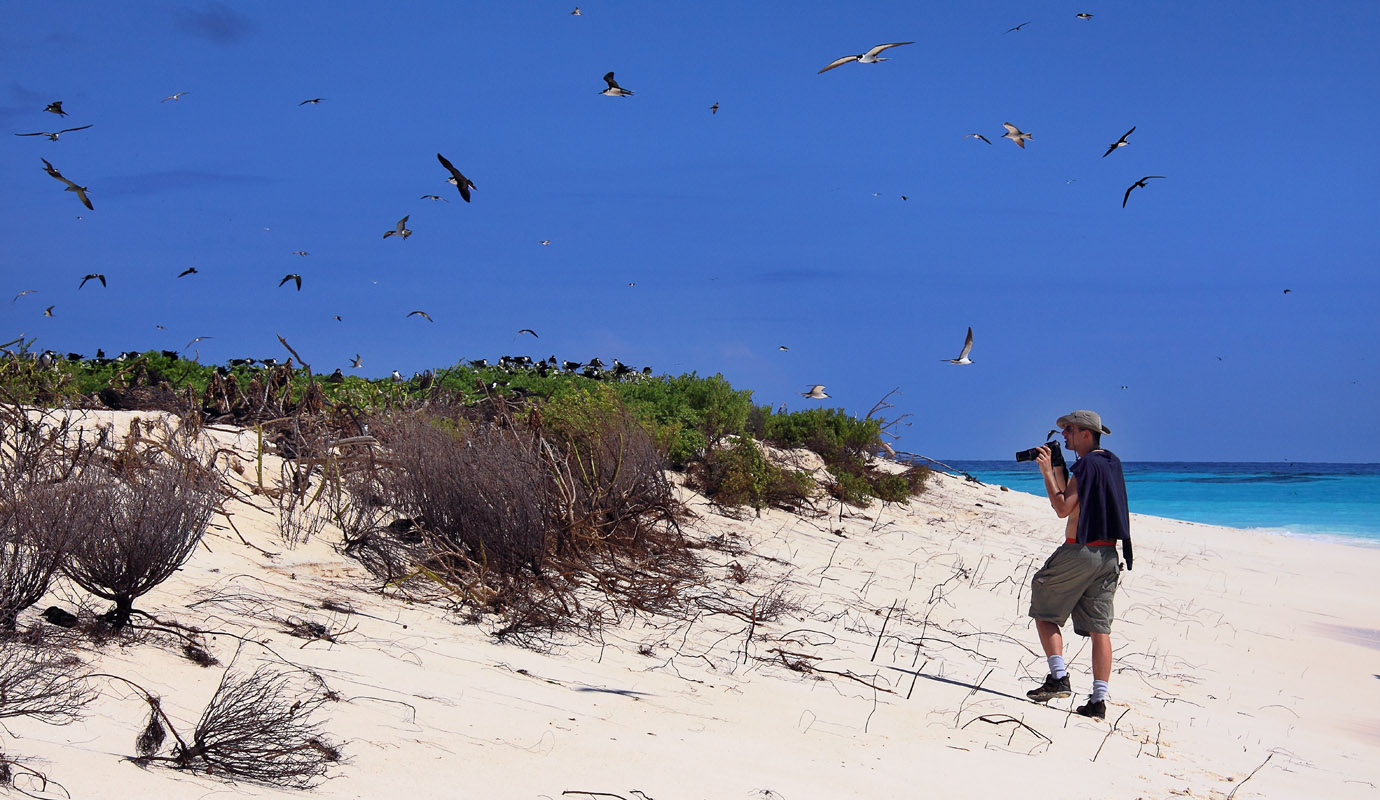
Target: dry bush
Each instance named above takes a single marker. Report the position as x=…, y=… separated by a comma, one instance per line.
x=39, y=523
x=150, y=508
x=41, y=682
x=531, y=522
x=257, y=727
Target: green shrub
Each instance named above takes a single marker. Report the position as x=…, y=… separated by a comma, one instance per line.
x=740, y=475
x=851, y=488
x=688, y=413
x=832, y=433
x=893, y=487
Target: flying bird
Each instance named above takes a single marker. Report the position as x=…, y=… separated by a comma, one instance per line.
x=423, y=315
x=1018, y=27
x=614, y=89
x=197, y=339
x=1286, y=291
x=300, y=253
x=56, y=108
x=576, y=12
x=21, y=294
x=48, y=312
x=977, y=136
x=432, y=197
x=1084, y=15
x=71, y=187
x=870, y=57
x=816, y=392
x=177, y=96
x=963, y=354
x=783, y=347
x=401, y=230
x=714, y=109
x=528, y=330
x=291, y=276
x=1119, y=142
x=311, y=102
x=1016, y=135
x=93, y=276
x=460, y=181
x=53, y=135
x=1140, y=183
x=545, y=242
x=357, y=363
x=187, y=271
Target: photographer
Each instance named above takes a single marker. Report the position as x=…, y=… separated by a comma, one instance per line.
x=1080, y=579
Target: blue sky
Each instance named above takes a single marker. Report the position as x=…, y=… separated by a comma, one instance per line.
x=777, y=221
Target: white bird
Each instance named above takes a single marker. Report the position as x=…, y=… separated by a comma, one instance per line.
x=963, y=354
x=357, y=363
x=816, y=392
x=401, y=230
x=870, y=57
x=977, y=136
x=614, y=89
x=177, y=96
x=1016, y=135
x=53, y=135
x=397, y=377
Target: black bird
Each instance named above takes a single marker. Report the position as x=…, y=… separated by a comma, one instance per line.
x=71, y=187
x=1084, y=15
x=433, y=197
x=479, y=363
x=714, y=109
x=336, y=377
x=48, y=312
x=56, y=108
x=1119, y=142
x=571, y=366
x=96, y=275
x=423, y=315
x=187, y=271
x=1140, y=183
x=1018, y=27
x=311, y=102
x=461, y=182
x=614, y=89
x=292, y=276
x=53, y=135
x=528, y=330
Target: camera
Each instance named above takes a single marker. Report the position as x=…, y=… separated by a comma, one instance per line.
x=1056, y=456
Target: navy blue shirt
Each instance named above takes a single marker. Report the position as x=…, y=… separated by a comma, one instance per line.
x=1103, y=512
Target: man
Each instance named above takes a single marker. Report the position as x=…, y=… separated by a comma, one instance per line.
x=1080, y=579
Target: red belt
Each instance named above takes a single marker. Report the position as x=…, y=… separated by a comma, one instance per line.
x=1098, y=543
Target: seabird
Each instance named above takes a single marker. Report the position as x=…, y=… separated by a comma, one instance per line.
x=1084, y=15
x=311, y=102
x=53, y=135
x=576, y=12
x=71, y=187
x=336, y=377
x=545, y=242
x=92, y=276
x=714, y=109
x=401, y=230
x=56, y=108
x=783, y=347
x=172, y=97
x=870, y=57
x=816, y=392
x=300, y=253
x=357, y=363
x=460, y=181
x=528, y=330
x=187, y=271
x=423, y=315
x=21, y=294
x=1140, y=183
x=1018, y=27
x=977, y=136
x=614, y=89
x=292, y=276
x=432, y=197
x=198, y=339
x=397, y=377
x=48, y=312
x=337, y=318
x=1119, y=142
x=1286, y=291
x=1016, y=135
x=963, y=354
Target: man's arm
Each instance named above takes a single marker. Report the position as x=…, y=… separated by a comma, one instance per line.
x=1063, y=494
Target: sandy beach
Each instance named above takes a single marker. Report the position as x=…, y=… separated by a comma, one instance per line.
x=882, y=653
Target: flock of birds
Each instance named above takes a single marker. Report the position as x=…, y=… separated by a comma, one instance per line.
x=464, y=186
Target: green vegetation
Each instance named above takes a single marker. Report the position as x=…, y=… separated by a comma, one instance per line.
x=690, y=418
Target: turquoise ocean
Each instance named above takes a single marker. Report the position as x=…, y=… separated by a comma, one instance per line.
x=1333, y=501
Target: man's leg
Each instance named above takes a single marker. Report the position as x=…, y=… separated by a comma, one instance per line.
x=1057, y=682
x=1101, y=656
x=1052, y=640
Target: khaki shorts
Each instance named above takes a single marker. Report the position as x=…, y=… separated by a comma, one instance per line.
x=1078, y=580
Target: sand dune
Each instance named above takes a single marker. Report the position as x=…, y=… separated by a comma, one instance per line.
x=888, y=656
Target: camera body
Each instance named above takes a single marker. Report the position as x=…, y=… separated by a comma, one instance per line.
x=1056, y=455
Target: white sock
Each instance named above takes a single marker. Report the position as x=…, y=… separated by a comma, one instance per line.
x=1057, y=668
x=1099, y=693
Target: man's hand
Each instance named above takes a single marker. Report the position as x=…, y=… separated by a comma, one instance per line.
x=1042, y=461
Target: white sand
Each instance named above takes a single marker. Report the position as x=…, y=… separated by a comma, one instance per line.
x=1231, y=647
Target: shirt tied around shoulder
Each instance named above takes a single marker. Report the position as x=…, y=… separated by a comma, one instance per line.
x=1103, y=511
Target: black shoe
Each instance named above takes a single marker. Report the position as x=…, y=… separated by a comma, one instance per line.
x=1097, y=710
x=1052, y=688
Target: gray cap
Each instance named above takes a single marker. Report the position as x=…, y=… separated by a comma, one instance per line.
x=1087, y=420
